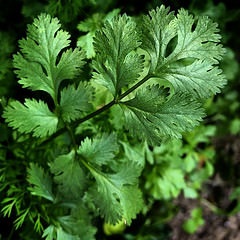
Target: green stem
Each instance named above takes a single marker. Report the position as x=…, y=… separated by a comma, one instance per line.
x=100, y=110
x=72, y=137
x=79, y=121
x=134, y=87
x=211, y=206
x=93, y=114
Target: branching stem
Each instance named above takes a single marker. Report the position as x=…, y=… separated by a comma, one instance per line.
x=100, y=110
x=134, y=87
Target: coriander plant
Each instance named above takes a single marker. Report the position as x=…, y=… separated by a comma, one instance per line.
x=71, y=163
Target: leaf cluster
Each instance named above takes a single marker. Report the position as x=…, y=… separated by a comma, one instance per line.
x=156, y=72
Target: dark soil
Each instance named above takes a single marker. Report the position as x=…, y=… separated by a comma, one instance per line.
x=215, y=198
x=216, y=226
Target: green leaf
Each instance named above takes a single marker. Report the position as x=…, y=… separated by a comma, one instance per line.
x=100, y=150
x=94, y=22
x=32, y=116
x=21, y=218
x=235, y=126
x=153, y=115
x=166, y=183
x=117, y=64
x=63, y=235
x=86, y=43
x=118, y=195
x=200, y=41
x=194, y=222
x=74, y=102
x=192, y=78
x=68, y=175
x=91, y=25
x=41, y=181
x=75, y=226
x=166, y=178
x=9, y=203
x=158, y=29
x=135, y=153
x=43, y=62
x=49, y=233
x=13, y=200
x=38, y=225
x=74, y=223
x=52, y=232
x=184, y=51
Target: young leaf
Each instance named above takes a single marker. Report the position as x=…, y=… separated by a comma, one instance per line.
x=195, y=221
x=91, y=25
x=118, y=195
x=74, y=101
x=99, y=150
x=41, y=181
x=69, y=175
x=165, y=183
x=38, y=225
x=32, y=116
x=152, y=116
x=182, y=53
x=117, y=64
x=43, y=54
x=21, y=218
x=9, y=203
